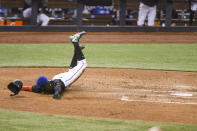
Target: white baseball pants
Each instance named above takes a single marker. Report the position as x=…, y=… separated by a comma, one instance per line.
x=194, y=6
x=146, y=11
x=72, y=75
x=44, y=19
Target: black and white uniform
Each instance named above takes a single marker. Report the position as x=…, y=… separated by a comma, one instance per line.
x=61, y=81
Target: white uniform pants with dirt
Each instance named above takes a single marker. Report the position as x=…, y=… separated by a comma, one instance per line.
x=72, y=75
x=146, y=11
x=41, y=18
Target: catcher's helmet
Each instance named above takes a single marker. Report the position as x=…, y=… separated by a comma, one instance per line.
x=15, y=86
x=42, y=80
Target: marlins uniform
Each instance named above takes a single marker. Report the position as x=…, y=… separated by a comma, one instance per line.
x=60, y=82
x=147, y=8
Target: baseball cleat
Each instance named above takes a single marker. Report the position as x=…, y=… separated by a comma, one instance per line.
x=77, y=36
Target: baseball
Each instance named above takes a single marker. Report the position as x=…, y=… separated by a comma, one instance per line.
x=155, y=128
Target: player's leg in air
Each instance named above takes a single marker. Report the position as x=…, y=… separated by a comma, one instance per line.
x=75, y=57
x=78, y=63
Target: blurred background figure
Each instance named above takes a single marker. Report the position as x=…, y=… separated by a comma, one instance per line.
x=193, y=9
x=147, y=8
x=42, y=18
x=194, y=5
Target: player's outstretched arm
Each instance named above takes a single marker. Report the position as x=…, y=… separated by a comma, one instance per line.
x=33, y=88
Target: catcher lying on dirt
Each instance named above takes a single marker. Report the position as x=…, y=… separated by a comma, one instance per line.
x=59, y=82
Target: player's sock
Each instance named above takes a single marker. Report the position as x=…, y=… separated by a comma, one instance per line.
x=79, y=53
x=74, y=61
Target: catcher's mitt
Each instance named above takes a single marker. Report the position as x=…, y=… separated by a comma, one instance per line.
x=15, y=86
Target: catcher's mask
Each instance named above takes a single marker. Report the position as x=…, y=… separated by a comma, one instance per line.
x=15, y=86
x=42, y=80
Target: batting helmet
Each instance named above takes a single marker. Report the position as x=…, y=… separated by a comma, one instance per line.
x=42, y=80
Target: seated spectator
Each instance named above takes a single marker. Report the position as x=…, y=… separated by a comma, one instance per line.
x=42, y=18
x=147, y=8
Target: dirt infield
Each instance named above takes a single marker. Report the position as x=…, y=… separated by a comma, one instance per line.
x=167, y=96
x=92, y=37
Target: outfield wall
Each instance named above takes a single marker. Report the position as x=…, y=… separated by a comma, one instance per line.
x=75, y=28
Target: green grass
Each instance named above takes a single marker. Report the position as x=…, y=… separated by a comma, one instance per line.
x=181, y=57
x=34, y=55
x=26, y=121
x=146, y=56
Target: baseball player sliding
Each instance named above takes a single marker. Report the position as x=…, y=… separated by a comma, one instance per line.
x=58, y=84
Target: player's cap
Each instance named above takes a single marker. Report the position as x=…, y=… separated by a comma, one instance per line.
x=42, y=80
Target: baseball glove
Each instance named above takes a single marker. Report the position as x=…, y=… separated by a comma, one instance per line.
x=15, y=86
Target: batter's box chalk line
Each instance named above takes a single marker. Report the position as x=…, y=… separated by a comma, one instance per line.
x=125, y=98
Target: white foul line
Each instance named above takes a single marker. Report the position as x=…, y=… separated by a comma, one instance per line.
x=125, y=98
